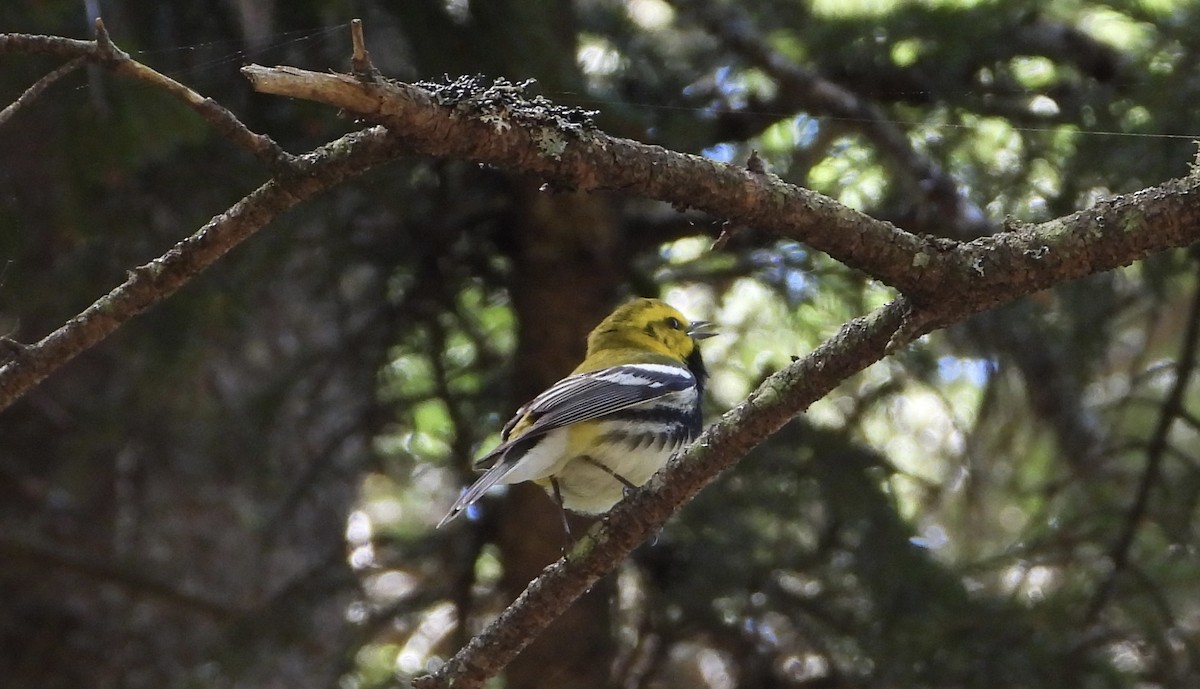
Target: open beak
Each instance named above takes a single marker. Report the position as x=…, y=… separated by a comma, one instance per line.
x=701, y=329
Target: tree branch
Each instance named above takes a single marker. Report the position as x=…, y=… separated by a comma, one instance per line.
x=515, y=136
x=298, y=179
x=984, y=272
x=34, y=91
x=103, y=52
x=149, y=284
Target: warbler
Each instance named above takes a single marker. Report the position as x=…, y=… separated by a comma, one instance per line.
x=613, y=422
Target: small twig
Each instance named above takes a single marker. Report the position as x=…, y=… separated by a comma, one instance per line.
x=42, y=84
x=728, y=230
x=756, y=164
x=104, y=52
x=260, y=145
x=360, y=59
x=149, y=284
x=918, y=321
x=104, y=44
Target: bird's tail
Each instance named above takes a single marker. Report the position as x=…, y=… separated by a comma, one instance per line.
x=490, y=478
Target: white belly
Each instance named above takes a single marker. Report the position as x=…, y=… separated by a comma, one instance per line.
x=589, y=489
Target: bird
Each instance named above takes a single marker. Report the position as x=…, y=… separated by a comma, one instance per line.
x=614, y=421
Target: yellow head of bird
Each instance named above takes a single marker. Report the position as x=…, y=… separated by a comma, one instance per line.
x=649, y=325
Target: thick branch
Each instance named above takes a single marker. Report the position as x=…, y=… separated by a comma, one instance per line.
x=979, y=274
x=593, y=160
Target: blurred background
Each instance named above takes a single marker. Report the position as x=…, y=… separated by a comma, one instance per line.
x=238, y=489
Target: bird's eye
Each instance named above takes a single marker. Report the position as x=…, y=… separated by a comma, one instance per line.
x=674, y=323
